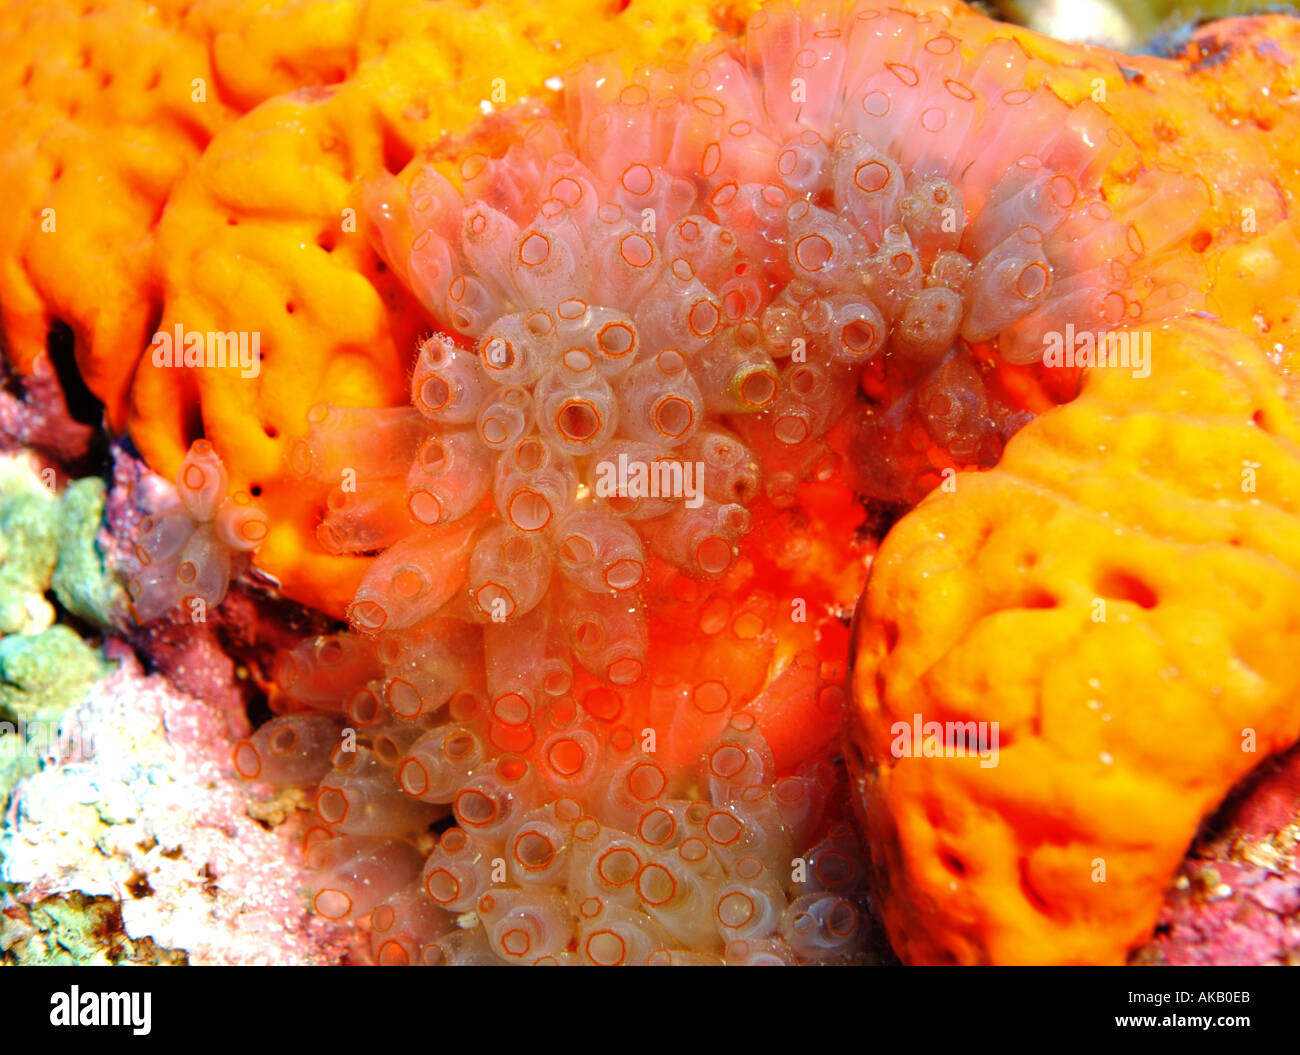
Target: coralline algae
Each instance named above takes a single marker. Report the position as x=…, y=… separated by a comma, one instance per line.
x=136, y=803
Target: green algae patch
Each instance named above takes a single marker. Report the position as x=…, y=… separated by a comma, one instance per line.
x=73, y=929
x=81, y=581
x=41, y=675
x=48, y=545
x=29, y=530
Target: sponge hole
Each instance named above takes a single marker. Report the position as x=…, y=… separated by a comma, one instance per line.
x=1041, y=599
x=1123, y=586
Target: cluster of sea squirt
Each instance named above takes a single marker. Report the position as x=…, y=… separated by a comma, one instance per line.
x=659, y=319
x=189, y=553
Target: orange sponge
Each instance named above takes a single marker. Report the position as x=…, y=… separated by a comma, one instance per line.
x=98, y=123
x=1118, y=601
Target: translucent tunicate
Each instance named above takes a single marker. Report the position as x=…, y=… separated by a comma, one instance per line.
x=660, y=401
x=508, y=573
x=576, y=408
x=449, y=476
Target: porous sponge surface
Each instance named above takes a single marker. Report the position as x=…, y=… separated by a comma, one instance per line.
x=1120, y=595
